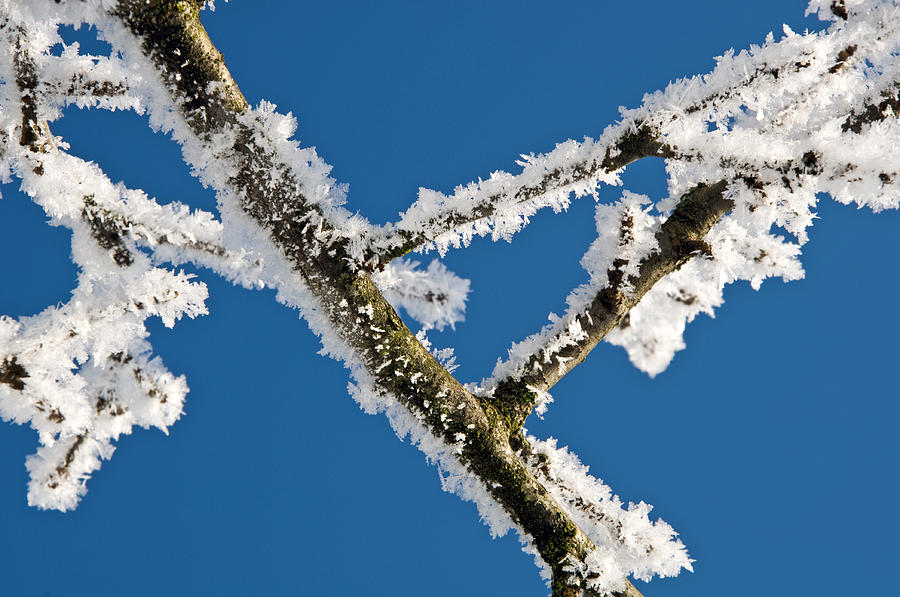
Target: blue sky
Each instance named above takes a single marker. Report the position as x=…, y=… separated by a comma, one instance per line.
x=768, y=443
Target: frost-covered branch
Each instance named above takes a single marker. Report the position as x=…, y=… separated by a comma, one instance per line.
x=627, y=542
x=502, y=205
x=642, y=254
x=119, y=216
x=80, y=373
x=435, y=297
x=85, y=81
x=25, y=76
x=748, y=148
x=774, y=139
x=239, y=153
x=675, y=124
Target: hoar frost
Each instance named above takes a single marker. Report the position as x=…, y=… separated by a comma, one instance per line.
x=784, y=123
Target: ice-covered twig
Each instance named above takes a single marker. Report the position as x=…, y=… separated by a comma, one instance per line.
x=81, y=374
x=53, y=371
x=172, y=232
x=127, y=390
x=435, y=297
x=627, y=542
x=538, y=363
x=501, y=205
x=85, y=81
x=845, y=151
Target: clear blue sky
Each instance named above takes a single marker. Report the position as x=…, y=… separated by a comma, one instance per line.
x=769, y=443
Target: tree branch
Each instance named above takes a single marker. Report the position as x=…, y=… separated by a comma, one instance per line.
x=27, y=82
x=567, y=346
x=77, y=85
x=680, y=238
x=877, y=109
x=552, y=175
x=423, y=224
x=399, y=365
x=257, y=175
x=210, y=103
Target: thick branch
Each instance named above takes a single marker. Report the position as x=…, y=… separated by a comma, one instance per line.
x=192, y=68
x=356, y=309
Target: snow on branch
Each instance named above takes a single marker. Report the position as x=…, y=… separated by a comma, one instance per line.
x=435, y=297
x=627, y=543
x=83, y=80
x=503, y=204
x=774, y=92
x=247, y=157
x=623, y=269
x=824, y=121
x=85, y=375
x=80, y=374
x=749, y=147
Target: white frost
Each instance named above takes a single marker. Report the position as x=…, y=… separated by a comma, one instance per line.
x=785, y=122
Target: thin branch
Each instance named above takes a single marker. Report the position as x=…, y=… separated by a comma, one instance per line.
x=110, y=223
x=620, y=145
x=12, y=373
x=877, y=109
x=107, y=231
x=415, y=230
x=517, y=393
x=679, y=238
x=80, y=85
